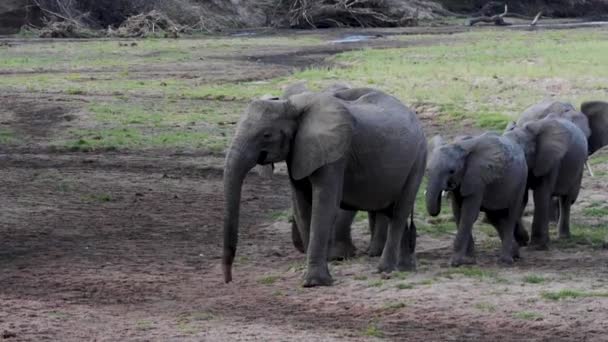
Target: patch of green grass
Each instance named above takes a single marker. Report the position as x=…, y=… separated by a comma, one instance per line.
x=492, y=121
x=594, y=237
x=281, y=215
x=143, y=325
x=100, y=198
x=400, y=275
x=268, y=280
x=485, y=307
x=394, y=305
x=60, y=315
x=6, y=136
x=568, y=293
x=297, y=266
x=404, y=286
x=425, y=282
x=595, y=211
x=360, y=277
x=373, y=330
x=470, y=272
x=528, y=316
x=375, y=283
x=534, y=279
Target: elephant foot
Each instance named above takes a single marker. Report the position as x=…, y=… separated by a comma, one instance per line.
x=522, y=237
x=386, y=266
x=375, y=250
x=537, y=245
x=505, y=260
x=407, y=264
x=317, y=277
x=459, y=260
x=515, y=252
x=342, y=250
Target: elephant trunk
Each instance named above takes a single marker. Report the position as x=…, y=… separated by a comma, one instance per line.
x=238, y=162
x=433, y=197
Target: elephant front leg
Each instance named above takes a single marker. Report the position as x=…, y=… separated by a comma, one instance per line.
x=301, y=204
x=564, y=218
x=469, y=211
x=342, y=246
x=326, y=196
x=540, y=222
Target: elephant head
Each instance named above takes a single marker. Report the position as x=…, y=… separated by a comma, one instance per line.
x=597, y=114
x=545, y=142
x=592, y=120
x=308, y=130
x=466, y=164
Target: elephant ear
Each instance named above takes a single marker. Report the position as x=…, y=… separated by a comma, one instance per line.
x=552, y=142
x=597, y=115
x=436, y=141
x=294, y=89
x=485, y=160
x=511, y=126
x=324, y=132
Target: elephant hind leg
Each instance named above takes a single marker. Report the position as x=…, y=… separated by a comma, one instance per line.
x=379, y=228
x=564, y=218
x=399, y=249
x=504, y=222
x=341, y=245
x=296, y=238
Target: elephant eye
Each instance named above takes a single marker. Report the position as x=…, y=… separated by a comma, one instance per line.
x=267, y=135
x=451, y=171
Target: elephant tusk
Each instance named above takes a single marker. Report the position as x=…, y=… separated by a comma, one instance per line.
x=589, y=169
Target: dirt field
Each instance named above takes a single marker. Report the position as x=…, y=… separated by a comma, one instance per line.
x=123, y=242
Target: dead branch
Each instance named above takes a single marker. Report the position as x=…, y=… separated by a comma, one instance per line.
x=497, y=19
x=533, y=23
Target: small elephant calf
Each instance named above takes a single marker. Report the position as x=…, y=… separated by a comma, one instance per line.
x=484, y=173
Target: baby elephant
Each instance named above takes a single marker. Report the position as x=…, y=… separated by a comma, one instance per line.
x=484, y=173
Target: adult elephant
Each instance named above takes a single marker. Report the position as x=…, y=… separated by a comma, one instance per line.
x=556, y=151
x=483, y=173
x=356, y=149
x=341, y=245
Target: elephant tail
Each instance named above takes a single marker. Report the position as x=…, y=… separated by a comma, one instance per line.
x=412, y=231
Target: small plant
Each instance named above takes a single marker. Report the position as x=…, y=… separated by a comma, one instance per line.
x=528, y=316
x=471, y=272
x=268, y=280
x=567, y=293
x=372, y=330
x=394, y=306
x=144, y=325
x=375, y=283
x=360, y=277
x=534, y=279
x=487, y=307
x=405, y=286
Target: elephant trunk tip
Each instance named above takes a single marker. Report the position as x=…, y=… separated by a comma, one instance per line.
x=227, y=266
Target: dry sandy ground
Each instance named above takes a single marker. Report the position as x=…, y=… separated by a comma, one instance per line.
x=126, y=246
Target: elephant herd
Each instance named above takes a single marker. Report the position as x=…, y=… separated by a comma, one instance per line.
x=360, y=149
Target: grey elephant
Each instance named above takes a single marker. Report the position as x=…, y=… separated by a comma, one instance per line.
x=341, y=244
x=483, y=173
x=355, y=149
x=556, y=151
x=557, y=139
